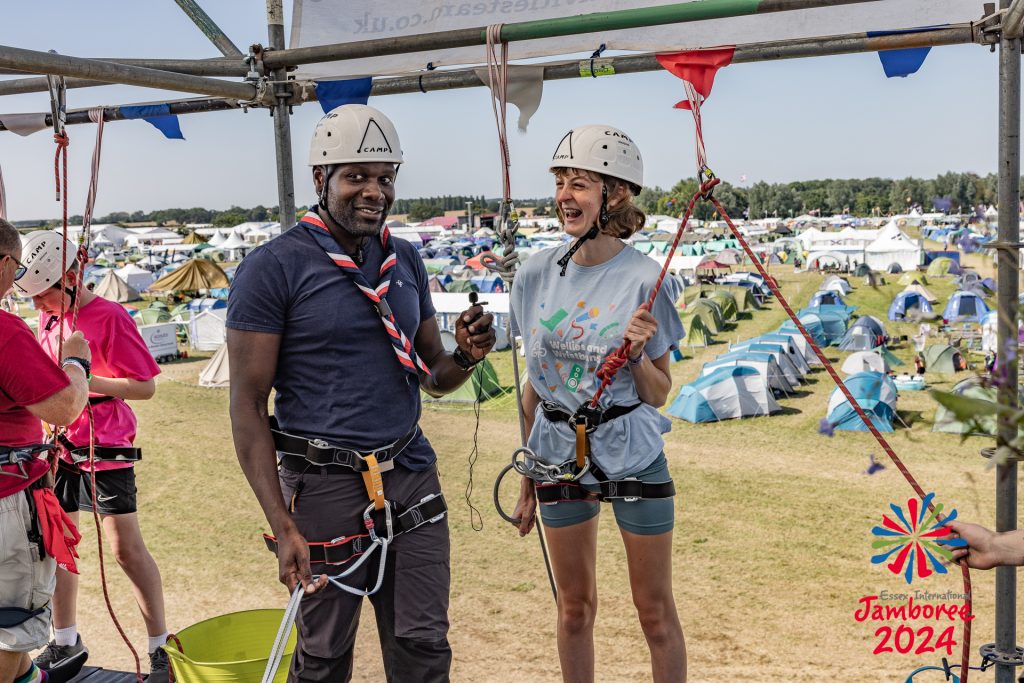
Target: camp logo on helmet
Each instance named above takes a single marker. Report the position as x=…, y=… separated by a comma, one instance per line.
x=617, y=134
x=376, y=143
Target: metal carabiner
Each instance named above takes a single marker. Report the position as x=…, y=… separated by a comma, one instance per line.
x=58, y=101
x=371, y=525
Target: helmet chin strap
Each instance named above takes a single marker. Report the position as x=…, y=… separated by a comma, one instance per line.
x=602, y=219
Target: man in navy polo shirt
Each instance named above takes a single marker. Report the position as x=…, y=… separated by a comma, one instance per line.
x=336, y=316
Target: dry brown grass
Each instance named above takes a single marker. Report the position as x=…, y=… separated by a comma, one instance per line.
x=771, y=547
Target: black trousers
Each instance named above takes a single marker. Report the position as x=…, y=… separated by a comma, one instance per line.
x=411, y=606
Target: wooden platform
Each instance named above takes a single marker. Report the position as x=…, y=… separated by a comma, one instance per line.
x=91, y=674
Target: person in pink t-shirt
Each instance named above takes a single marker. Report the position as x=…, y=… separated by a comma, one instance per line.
x=32, y=388
x=122, y=370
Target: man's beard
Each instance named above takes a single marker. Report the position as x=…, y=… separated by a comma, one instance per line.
x=350, y=220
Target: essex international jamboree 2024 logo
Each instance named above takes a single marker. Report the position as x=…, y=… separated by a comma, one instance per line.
x=911, y=544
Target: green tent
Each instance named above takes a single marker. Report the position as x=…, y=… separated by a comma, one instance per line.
x=697, y=334
x=912, y=277
x=940, y=266
x=862, y=270
x=972, y=387
x=745, y=300
x=151, y=316
x=482, y=384
x=461, y=286
x=710, y=312
x=727, y=302
x=891, y=360
x=943, y=359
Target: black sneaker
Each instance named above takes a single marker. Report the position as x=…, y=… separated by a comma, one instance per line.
x=53, y=654
x=159, y=668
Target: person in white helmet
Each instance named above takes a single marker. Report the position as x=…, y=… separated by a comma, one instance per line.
x=32, y=388
x=574, y=305
x=122, y=370
x=336, y=316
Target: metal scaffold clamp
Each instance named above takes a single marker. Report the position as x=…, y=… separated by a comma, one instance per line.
x=256, y=76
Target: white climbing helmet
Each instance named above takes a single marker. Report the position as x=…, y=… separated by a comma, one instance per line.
x=354, y=133
x=601, y=149
x=42, y=253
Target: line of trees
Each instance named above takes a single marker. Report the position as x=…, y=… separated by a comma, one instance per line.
x=951, y=192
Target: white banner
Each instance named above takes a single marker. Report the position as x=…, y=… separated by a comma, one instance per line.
x=323, y=22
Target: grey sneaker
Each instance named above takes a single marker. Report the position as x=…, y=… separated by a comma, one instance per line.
x=158, y=667
x=53, y=654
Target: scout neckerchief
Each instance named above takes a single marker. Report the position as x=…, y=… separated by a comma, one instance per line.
x=403, y=349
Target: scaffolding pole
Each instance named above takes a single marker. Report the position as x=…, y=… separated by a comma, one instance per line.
x=209, y=28
x=467, y=78
x=282, y=119
x=700, y=10
x=1005, y=653
x=107, y=72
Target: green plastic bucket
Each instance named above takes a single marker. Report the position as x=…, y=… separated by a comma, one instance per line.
x=232, y=648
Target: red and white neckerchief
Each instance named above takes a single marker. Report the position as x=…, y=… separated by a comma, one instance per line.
x=403, y=348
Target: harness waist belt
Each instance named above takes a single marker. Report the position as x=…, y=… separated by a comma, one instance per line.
x=339, y=551
x=80, y=454
x=610, y=490
x=322, y=454
x=106, y=454
x=593, y=417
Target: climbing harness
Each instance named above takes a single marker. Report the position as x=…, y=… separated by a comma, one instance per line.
x=17, y=456
x=301, y=454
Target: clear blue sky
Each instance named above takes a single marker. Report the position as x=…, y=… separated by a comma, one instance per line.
x=790, y=120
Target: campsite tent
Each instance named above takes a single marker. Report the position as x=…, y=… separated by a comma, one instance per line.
x=865, y=334
x=799, y=343
x=864, y=361
x=892, y=248
x=976, y=388
x=215, y=374
x=764, y=363
x=728, y=392
x=923, y=291
x=726, y=302
x=812, y=323
x=912, y=279
x=483, y=385
x=697, y=334
x=943, y=359
x=152, y=316
x=791, y=346
x=193, y=276
x=114, y=288
x=135, y=277
x=745, y=300
x=206, y=329
x=909, y=306
x=943, y=266
x=825, y=297
x=834, y=283
x=833, y=321
x=876, y=395
x=789, y=369
x=710, y=312
x=964, y=307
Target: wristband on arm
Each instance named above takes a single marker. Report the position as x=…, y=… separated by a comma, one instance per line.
x=82, y=364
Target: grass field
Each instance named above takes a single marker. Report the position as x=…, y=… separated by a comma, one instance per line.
x=771, y=546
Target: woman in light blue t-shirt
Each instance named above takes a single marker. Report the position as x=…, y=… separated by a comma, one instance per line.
x=574, y=305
